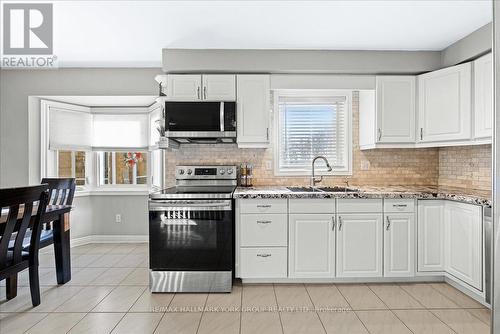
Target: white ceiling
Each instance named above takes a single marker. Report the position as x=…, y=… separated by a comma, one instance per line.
x=132, y=33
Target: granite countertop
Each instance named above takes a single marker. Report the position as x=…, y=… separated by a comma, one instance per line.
x=418, y=192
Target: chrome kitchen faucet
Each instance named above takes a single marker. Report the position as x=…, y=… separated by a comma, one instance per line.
x=314, y=180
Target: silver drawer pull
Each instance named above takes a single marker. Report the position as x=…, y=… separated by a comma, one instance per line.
x=264, y=222
x=264, y=205
x=263, y=255
x=388, y=223
x=399, y=205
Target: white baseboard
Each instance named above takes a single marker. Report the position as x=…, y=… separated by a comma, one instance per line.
x=99, y=239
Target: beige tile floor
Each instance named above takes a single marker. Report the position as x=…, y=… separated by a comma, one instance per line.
x=108, y=294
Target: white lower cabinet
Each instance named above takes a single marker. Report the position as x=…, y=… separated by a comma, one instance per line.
x=399, y=245
x=463, y=242
x=311, y=246
x=430, y=236
x=263, y=262
x=359, y=245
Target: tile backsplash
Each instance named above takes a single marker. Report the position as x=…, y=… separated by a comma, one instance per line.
x=456, y=166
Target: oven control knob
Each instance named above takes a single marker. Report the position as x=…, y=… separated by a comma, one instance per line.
x=230, y=171
x=222, y=171
x=189, y=172
x=181, y=171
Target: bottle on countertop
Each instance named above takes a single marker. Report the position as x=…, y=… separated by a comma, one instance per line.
x=246, y=174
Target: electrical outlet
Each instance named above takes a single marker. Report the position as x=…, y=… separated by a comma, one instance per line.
x=269, y=165
x=365, y=165
x=118, y=218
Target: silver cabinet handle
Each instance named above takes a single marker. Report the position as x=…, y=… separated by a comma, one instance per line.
x=340, y=223
x=267, y=133
x=198, y=92
x=264, y=205
x=264, y=222
x=379, y=134
x=421, y=133
x=399, y=205
x=388, y=223
x=333, y=223
x=263, y=255
x=205, y=92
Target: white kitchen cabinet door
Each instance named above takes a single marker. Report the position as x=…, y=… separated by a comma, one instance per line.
x=399, y=245
x=395, y=109
x=311, y=249
x=444, y=106
x=253, y=106
x=219, y=87
x=483, y=96
x=184, y=87
x=430, y=236
x=463, y=242
x=359, y=245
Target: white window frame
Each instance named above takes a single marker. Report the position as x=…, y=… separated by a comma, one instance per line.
x=99, y=169
x=73, y=168
x=276, y=127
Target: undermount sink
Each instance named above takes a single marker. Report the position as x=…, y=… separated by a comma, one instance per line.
x=339, y=189
x=303, y=189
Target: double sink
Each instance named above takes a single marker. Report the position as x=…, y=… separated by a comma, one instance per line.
x=323, y=189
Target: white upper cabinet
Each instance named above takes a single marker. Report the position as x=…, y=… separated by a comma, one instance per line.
x=483, y=96
x=219, y=87
x=197, y=87
x=311, y=250
x=463, y=242
x=444, y=104
x=359, y=245
x=183, y=87
x=253, y=107
x=399, y=245
x=430, y=236
x=395, y=105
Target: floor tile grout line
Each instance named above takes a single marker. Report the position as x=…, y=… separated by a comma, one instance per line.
x=36, y=323
x=468, y=310
x=434, y=314
x=163, y=315
x=451, y=308
x=77, y=322
x=350, y=306
x=202, y=313
x=277, y=305
x=315, y=310
x=430, y=284
x=394, y=313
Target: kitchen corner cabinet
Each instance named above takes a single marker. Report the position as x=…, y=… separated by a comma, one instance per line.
x=311, y=246
x=463, y=242
x=197, y=87
x=359, y=245
x=444, y=105
x=253, y=110
x=483, y=97
x=430, y=236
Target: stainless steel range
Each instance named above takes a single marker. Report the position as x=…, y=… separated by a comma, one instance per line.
x=191, y=231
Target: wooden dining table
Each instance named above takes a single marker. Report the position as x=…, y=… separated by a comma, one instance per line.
x=59, y=216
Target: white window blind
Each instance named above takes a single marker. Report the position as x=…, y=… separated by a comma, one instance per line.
x=309, y=126
x=70, y=126
x=120, y=131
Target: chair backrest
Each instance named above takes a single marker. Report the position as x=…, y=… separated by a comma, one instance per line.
x=61, y=190
x=20, y=203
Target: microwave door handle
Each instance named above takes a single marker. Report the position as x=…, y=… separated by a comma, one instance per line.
x=222, y=116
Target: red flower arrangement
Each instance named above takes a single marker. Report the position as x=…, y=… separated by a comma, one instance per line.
x=131, y=158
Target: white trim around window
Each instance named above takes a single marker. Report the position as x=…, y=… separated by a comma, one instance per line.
x=341, y=166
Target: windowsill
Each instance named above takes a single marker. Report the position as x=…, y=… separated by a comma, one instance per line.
x=114, y=191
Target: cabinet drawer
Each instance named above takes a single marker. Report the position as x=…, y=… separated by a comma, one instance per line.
x=264, y=230
x=263, y=262
x=399, y=205
x=263, y=206
x=359, y=205
x=319, y=205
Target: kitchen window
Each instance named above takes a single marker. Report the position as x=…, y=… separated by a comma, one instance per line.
x=116, y=168
x=312, y=123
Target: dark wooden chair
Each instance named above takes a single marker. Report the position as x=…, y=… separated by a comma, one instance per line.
x=61, y=192
x=20, y=203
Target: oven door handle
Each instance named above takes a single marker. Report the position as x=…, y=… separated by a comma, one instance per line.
x=189, y=206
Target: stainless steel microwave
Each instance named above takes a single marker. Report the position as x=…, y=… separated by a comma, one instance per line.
x=200, y=122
